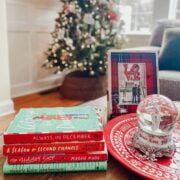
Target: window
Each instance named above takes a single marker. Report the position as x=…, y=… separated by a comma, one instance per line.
x=140, y=16
x=178, y=9
x=137, y=15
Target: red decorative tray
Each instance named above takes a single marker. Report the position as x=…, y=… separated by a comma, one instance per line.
x=118, y=135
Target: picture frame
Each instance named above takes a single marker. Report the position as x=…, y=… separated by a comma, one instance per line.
x=132, y=75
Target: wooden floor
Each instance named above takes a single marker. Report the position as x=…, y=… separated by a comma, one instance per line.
x=50, y=98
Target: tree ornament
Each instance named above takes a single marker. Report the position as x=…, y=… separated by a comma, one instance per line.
x=93, y=2
x=64, y=56
x=96, y=54
x=65, y=8
x=103, y=36
x=97, y=17
x=90, y=40
x=112, y=16
x=103, y=2
x=68, y=41
x=88, y=19
x=92, y=57
x=97, y=24
x=72, y=8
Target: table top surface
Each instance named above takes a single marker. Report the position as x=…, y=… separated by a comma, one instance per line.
x=115, y=170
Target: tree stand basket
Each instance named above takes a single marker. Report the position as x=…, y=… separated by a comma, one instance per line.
x=79, y=87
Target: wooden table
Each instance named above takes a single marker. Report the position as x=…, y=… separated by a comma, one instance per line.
x=115, y=170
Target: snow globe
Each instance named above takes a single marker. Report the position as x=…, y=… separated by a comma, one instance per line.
x=156, y=116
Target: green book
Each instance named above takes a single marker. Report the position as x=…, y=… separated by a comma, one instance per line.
x=48, y=125
x=54, y=167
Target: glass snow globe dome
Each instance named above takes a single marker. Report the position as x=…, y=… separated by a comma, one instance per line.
x=157, y=115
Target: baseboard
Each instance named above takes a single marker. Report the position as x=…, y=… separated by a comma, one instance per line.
x=6, y=107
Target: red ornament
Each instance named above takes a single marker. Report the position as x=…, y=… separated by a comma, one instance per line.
x=66, y=8
x=112, y=15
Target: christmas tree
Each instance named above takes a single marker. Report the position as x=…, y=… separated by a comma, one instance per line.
x=84, y=31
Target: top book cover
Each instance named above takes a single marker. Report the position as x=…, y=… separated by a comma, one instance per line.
x=54, y=124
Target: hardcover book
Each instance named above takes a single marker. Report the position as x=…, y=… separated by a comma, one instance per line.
x=54, y=125
x=54, y=167
x=45, y=148
x=58, y=157
x=132, y=75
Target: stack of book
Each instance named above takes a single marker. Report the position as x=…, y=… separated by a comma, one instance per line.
x=54, y=140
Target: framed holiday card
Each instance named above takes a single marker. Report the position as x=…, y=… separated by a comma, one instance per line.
x=132, y=75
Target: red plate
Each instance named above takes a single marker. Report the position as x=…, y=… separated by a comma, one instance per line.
x=118, y=135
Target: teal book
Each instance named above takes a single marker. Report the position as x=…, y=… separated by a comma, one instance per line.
x=42, y=125
x=54, y=167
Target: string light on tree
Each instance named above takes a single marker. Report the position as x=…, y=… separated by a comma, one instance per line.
x=92, y=73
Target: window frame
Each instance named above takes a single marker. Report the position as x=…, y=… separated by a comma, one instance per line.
x=169, y=12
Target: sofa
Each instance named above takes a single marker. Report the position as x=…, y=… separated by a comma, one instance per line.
x=166, y=35
x=166, y=40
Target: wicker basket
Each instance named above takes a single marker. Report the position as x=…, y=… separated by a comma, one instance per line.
x=79, y=87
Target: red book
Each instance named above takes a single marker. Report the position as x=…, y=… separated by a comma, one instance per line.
x=56, y=158
x=45, y=125
x=47, y=148
x=52, y=137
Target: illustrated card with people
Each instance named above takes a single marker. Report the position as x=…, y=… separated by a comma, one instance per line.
x=132, y=82
x=132, y=75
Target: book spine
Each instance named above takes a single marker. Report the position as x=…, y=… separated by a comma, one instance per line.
x=47, y=148
x=55, y=158
x=52, y=137
x=54, y=167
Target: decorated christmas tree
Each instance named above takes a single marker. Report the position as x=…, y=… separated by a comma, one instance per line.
x=84, y=31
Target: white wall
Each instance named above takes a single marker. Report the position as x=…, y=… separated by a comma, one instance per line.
x=6, y=104
x=29, y=25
